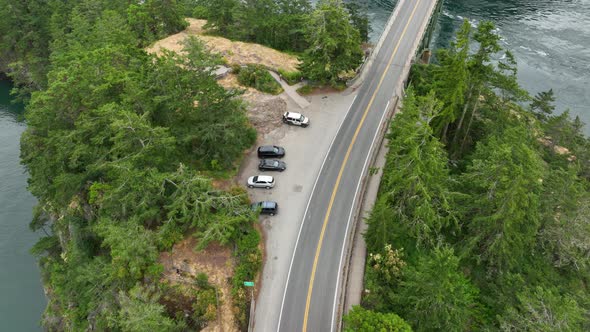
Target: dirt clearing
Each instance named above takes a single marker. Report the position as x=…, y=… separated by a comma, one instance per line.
x=216, y=262
x=233, y=51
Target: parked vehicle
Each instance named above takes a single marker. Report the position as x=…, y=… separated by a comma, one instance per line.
x=295, y=119
x=261, y=181
x=266, y=207
x=272, y=165
x=270, y=151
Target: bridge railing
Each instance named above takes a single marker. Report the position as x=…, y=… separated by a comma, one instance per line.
x=368, y=62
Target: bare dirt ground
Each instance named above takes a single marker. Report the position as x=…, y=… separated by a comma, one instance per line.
x=234, y=52
x=260, y=106
x=216, y=262
x=263, y=110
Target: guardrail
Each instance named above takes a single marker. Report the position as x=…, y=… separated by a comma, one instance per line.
x=366, y=65
x=375, y=149
x=373, y=153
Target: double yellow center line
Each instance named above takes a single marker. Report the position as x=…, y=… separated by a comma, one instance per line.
x=358, y=128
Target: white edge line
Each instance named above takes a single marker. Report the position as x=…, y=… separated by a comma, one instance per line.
x=306, y=208
x=350, y=216
x=352, y=209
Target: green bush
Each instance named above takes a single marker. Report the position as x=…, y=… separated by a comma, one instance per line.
x=259, y=78
x=291, y=77
x=361, y=320
x=249, y=261
x=202, y=281
x=200, y=12
x=305, y=90
x=205, y=306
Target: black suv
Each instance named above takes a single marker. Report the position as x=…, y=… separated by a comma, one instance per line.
x=266, y=207
x=270, y=151
x=272, y=165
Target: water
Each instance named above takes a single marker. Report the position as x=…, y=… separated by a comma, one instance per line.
x=21, y=296
x=549, y=38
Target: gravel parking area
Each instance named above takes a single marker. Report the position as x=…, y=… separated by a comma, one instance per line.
x=306, y=149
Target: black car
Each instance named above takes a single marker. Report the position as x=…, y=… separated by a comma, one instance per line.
x=270, y=151
x=272, y=165
x=265, y=207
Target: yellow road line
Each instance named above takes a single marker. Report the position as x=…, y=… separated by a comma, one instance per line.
x=327, y=217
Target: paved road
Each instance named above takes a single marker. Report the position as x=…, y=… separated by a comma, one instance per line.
x=312, y=289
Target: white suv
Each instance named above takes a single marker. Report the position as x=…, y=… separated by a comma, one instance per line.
x=261, y=181
x=295, y=119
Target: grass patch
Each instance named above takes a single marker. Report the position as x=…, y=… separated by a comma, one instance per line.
x=305, y=90
x=291, y=77
x=340, y=86
x=258, y=77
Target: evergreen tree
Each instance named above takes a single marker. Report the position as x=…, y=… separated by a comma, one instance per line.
x=359, y=17
x=154, y=19
x=334, y=44
x=24, y=42
x=362, y=320
x=141, y=311
x=566, y=220
x=480, y=73
x=543, y=104
x=435, y=296
x=415, y=199
x=501, y=210
x=453, y=76
x=291, y=20
x=523, y=204
x=103, y=149
x=221, y=15
x=543, y=309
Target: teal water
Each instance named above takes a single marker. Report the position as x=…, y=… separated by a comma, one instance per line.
x=21, y=296
x=549, y=38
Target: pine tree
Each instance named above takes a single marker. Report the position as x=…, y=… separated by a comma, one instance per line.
x=501, y=211
x=414, y=189
x=435, y=296
x=334, y=44
x=453, y=81
x=221, y=15
x=543, y=104
x=566, y=220
x=543, y=309
x=480, y=73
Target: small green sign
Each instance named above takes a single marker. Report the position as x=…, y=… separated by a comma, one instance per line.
x=249, y=283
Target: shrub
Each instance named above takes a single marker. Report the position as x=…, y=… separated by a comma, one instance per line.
x=305, y=90
x=249, y=260
x=291, y=77
x=200, y=12
x=259, y=78
x=205, y=306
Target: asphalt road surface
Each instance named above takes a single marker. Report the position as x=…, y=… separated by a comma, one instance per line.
x=312, y=290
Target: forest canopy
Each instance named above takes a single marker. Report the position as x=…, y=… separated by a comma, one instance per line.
x=121, y=147
x=482, y=219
